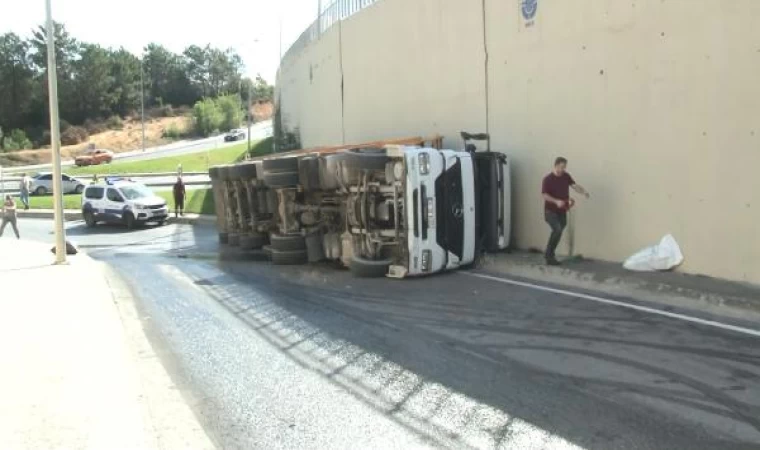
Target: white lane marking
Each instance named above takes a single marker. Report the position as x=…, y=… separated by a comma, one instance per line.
x=709, y=323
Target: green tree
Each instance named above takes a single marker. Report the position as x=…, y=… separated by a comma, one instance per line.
x=17, y=81
x=125, y=73
x=232, y=111
x=93, y=85
x=207, y=116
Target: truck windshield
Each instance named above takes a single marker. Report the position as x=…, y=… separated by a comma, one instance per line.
x=449, y=198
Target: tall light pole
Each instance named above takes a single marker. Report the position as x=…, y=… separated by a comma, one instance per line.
x=55, y=140
x=248, y=114
x=142, y=100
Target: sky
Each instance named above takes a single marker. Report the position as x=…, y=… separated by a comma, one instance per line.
x=176, y=24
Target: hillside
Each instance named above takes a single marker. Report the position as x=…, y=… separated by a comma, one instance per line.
x=126, y=139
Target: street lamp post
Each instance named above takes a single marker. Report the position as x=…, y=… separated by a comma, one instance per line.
x=248, y=114
x=55, y=140
x=142, y=101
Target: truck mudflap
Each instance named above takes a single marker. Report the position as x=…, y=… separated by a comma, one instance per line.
x=494, y=201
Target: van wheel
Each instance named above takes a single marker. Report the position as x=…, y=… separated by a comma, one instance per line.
x=289, y=258
x=369, y=268
x=129, y=221
x=89, y=219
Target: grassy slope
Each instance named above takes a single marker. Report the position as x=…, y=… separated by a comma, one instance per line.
x=195, y=162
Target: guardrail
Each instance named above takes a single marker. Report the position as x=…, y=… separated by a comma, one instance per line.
x=330, y=15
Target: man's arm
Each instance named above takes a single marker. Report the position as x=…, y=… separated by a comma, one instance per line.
x=581, y=190
x=550, y=199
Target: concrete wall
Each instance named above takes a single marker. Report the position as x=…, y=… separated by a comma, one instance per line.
x=655, y=103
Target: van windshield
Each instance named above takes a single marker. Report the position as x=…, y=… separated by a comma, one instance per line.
x=136, y=191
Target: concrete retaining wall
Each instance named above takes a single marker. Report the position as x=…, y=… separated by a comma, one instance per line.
x=655, y=103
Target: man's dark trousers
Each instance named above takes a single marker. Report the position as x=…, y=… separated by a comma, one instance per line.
x=557, y=221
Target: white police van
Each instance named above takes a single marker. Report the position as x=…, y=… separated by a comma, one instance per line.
x=122, y=201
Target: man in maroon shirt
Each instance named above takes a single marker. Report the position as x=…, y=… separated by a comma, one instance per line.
x=556, y=192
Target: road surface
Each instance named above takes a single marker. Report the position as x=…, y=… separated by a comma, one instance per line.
x=309, y=357
x=259, y=131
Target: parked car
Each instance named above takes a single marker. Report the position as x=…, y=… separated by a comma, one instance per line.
x=42, y=184
x=94, y=157
x=122, y=201
x=234, y=135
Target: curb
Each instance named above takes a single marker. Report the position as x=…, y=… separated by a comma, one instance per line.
x=716, y=295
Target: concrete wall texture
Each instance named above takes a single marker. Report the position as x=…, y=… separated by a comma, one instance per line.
x=656, y=103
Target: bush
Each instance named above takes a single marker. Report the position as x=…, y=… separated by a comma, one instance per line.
x=17, y=140
x=174, y=132
x=232, y=111
x=94, y=126
x=207, y=117
x=160, y=111
x=114, y=123
x=74, y=135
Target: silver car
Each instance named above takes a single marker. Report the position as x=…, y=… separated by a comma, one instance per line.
x=42, y=184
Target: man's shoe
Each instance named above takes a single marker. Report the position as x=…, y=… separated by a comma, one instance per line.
x=552, y=262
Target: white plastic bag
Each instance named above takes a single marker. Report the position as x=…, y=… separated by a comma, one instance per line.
x=663, y=256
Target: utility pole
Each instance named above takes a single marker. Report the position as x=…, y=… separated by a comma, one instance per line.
x=248, y=114
x=142, y=100
x=55, y=140
x=319, y=19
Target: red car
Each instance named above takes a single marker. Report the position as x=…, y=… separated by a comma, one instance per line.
x=94, y=157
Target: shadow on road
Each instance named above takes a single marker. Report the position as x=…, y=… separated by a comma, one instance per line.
x=451, y=360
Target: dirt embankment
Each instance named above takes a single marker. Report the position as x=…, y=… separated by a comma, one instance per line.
x=126, y=139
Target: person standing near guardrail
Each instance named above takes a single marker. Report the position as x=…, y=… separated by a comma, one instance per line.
x=25, y=186
x=9, y=216
x=179, y=197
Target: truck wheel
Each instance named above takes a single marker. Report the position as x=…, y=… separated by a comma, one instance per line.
x=369, y=268
x=243, y=171
x=287, y=243
x=308, y=173
x=280, y=180
x=289, y=258
x=233, y=239
x=252, y=241
x=223, y=172
x=223, y=238
x=280, y=165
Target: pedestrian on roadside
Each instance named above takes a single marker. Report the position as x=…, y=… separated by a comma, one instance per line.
x=557, y=202
x=25, y=186
x=179, y=197
x=95, y=179
x=9, y=215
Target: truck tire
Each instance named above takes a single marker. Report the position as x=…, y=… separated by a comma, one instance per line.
x=359, y=160
x=280, y=165
x=287, y=243
x=223, y=238
x=308, y=173
x=289, y=258
x=369, y=268
x=281, y=180
x=223, y=172
x=244, y=171
x=233, y=239
x=252, y=241
x=213, y=172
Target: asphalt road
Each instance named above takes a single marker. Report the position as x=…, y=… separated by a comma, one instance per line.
x=313, y=358
x=259, y=131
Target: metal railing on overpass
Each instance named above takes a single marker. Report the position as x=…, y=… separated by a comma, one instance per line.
x=330, y=15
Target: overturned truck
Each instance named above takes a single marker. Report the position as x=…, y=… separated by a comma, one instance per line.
x=381, y=210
